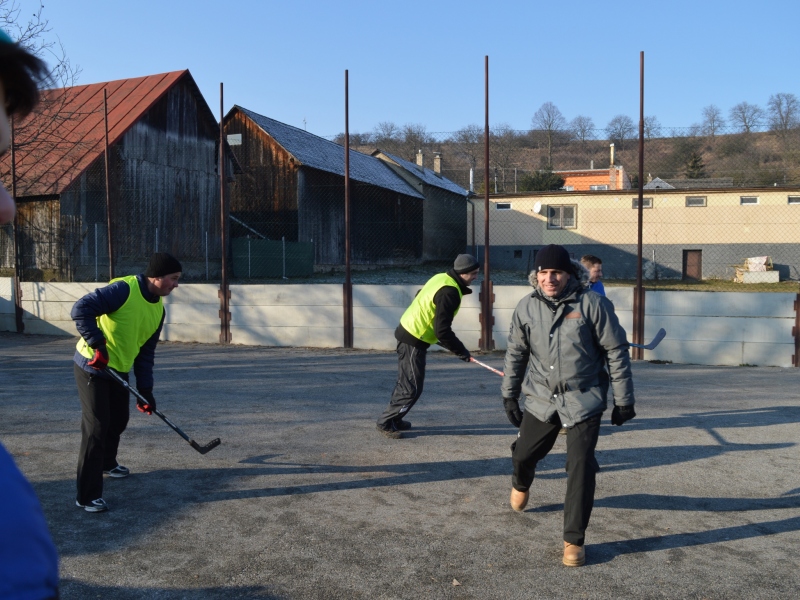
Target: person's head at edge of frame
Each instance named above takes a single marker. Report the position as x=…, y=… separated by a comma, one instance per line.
x=20, y=75
x=467, y=268
x=553, y=268
x=162, y=274
x=594, y=265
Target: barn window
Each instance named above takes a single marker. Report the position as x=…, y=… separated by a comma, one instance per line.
x=794, y=199
x=503, y=206
x=748, y=200
x=646, y=203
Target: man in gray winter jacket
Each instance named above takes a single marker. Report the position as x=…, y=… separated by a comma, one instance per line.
x=561, y=338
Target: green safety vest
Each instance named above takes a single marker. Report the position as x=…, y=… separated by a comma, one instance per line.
x=128, y=328
x=418, y=318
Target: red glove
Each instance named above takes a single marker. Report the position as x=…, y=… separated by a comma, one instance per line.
x=100, y=359
x=150, y=405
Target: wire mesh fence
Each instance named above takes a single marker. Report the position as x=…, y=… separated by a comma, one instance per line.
x=712, y=199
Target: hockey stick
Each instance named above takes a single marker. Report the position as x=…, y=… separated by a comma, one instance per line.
x=201, y=449
x=659, y=336
x=485, y=366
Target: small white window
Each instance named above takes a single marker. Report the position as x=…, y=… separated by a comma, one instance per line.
x=794, y=199
x=569, y=188
x=748, y=200
x=695, y=200
x=646, y=203
x=598, y=188
x=503, y=206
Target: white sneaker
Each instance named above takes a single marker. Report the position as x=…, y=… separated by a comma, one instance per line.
x=98, y=505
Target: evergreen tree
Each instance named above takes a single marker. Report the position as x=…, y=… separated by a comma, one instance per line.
x=540, y=181
x=695, y=169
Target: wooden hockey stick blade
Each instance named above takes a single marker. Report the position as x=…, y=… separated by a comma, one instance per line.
x=656, y=340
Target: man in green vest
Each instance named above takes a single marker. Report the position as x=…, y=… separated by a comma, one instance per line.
x=119, y=326
x=428, y=320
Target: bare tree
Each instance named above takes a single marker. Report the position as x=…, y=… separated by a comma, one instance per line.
x=468, y=144
x=582, y=128
x=712, y=121
x=549, y=120
x=783, y=112
x=415, y=139
x=43, y=130
x=503, y=144
x=619, y=129
x=746, y=117
x=652, y=127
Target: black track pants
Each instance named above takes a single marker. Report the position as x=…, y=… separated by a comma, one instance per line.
x=105, y=409
x=410, y=379
x=536, y=439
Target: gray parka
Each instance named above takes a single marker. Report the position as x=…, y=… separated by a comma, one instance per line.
x=558, y=349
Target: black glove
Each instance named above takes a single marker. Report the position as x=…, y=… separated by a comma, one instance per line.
x=149, y=406
x=100, y=359
x=466, y=356
x=620, y=414
x=512, y=411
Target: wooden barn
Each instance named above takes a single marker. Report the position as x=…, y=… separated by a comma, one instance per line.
x=444, y=231
x=291, y=187
x=163, y=180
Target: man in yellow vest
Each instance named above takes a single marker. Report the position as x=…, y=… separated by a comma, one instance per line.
x=119, y=326
x=428, y=320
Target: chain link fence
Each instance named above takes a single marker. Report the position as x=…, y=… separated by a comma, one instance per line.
x=712, y=200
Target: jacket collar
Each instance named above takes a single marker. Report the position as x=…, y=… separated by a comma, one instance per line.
x=465, y=289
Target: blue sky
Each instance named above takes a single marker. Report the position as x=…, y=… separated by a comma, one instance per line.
x=423, y=61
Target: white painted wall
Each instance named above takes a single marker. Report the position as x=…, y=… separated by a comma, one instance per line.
x=713, y=328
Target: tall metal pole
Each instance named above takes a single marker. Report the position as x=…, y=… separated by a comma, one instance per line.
x=17, y=249
x=638, y=295
x=487, y=295
x=224, y=291
x=348, y=283
x=108, y=191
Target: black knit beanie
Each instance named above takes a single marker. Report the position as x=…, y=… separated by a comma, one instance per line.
x=162, y=263
x=552, y=257
x=465, y=263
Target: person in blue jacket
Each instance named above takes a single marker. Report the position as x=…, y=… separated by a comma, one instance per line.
x=28, y=558
x=119, y=326
x=595, y=267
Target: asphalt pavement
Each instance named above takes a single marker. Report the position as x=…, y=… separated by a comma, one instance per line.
x=697, y=497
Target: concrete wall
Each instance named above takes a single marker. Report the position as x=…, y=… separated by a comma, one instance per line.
x=713, y=328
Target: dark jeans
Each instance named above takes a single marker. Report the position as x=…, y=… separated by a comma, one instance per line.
x=536, y=439
x=105, y=408
x=410, y=379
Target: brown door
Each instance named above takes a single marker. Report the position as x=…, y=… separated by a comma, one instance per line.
x=693, y=264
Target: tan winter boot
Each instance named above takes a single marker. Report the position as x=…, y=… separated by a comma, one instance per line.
x=574, y=556
x=519, y=500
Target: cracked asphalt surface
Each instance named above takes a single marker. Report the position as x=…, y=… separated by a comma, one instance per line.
x=698, y=496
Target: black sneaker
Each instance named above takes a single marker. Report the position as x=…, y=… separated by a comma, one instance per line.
x=98, y=505
x=118, y=471
x=402, y=425
x=390, y=430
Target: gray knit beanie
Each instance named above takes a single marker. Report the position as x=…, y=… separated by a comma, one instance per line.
x=465, y=263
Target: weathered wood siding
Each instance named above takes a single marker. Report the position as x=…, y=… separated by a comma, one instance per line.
x=165, y=191
x=264, y=196
x=385, y=227
x=445, y=229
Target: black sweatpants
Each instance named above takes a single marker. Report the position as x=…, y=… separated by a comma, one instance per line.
x=410, y=379
x=105, y=410
x=536, y=439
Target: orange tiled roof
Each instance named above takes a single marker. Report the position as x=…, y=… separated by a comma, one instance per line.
x=66, y=133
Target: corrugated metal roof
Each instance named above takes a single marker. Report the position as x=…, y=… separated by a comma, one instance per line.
x=428, y=176
x=318, y=153
x=55, y=150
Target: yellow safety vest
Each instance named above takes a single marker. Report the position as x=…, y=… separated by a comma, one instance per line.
x=418, y=317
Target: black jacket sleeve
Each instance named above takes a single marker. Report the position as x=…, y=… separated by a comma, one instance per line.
x=447, y=301
x=102, y=301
